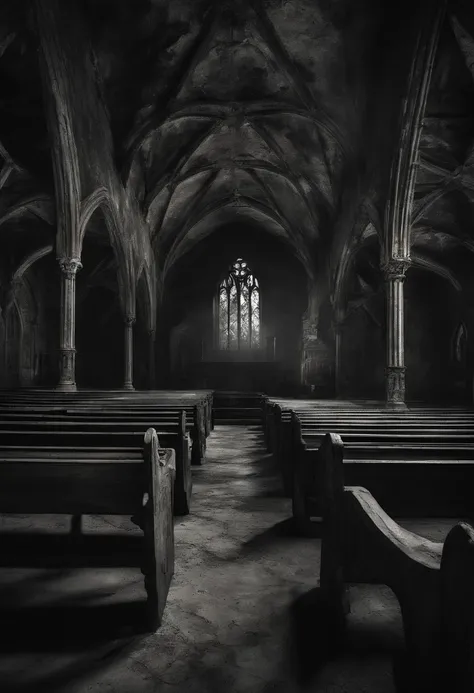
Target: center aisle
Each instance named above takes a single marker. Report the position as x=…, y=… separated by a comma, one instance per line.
x=227, y=625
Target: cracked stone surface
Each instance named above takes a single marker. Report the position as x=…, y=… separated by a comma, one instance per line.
x=240, y=614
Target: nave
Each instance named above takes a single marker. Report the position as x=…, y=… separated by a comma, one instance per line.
x=239, y=614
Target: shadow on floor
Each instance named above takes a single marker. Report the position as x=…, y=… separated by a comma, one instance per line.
x=314, y=639
x=81, y=667
x=69, y=628
x=318, y=637
x=270, y=537
x=83, y=639
x=38, y=550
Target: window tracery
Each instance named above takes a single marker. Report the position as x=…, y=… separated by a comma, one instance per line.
x=239, y=308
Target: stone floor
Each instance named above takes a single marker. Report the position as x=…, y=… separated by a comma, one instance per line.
x=240, y=614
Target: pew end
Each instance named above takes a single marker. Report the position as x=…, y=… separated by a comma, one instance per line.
x=183, y=478
x=198, y=436
x=457, y=598
x=158, y=528
x=306, y=518
x=433, y=582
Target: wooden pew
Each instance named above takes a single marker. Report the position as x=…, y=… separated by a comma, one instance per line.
x=457, y=580
x=410, y=480
x=371, y=434
x=140, y=400
x=362, y=544
x=359, y=426
x=77, y=482
x=180, y=398
x=199, y=426
x=323, y=415
x=42, y=431
x=194, y=413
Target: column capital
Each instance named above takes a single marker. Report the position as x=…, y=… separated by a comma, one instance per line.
x=69, y=266
x=151, y=331
x=16, y=282
x=129, y=320
x=395, y=268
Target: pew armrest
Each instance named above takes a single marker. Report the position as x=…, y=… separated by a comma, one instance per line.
x=365, y=515
x=457, y=579
x=158, y=529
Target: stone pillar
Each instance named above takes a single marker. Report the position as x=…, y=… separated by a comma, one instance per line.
x=67, y=346
x=394, y=272
x=317, y=363
x=338, y=323
x=151, y=360
x=128, y=381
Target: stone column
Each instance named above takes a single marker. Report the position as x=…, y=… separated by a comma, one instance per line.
x=129, y=322
x=394, y=272
x=67, y=347
x=151, y=360
x=338, y=323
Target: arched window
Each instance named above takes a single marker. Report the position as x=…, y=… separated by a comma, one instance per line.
x=239, y=309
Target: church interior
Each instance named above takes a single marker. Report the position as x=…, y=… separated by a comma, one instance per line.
x=236, y=346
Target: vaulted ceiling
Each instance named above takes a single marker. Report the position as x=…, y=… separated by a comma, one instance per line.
x=248, y=123
x=443, y=214
x=252, y=111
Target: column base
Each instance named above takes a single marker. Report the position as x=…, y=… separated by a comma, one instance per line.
x=66, y=387
x=128, y=386
x=395, y=405
x=395, y=383
x=67, y=370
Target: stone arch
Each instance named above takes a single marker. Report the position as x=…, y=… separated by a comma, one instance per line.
x=430, y=265
x=359, y=311
x=100, y=200
x=364, y=233
x=24, y=328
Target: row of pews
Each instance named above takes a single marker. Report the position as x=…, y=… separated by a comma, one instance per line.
x=416, y=462
x=432, y=581
x=102, y=453
x=350, y=470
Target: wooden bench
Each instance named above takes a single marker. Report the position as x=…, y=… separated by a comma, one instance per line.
x=410, y=479
x=33, y=397
x=325, y=416
x=433, y=582
x=457, y=580
x=368, y=440
x=179, y=398
x=196, y=417
x=199, y=427
x=41, y=431
x=77, y=482
x=366, y=425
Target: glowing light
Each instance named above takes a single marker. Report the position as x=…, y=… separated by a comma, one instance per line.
x=239, y=309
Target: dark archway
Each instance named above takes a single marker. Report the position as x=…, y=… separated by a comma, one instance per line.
x=99, y=319
x=361, y=367
x=433, y=311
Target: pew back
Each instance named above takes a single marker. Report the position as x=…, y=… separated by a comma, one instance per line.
x=90, y=484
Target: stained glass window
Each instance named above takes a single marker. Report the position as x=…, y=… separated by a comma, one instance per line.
x=239, y=309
